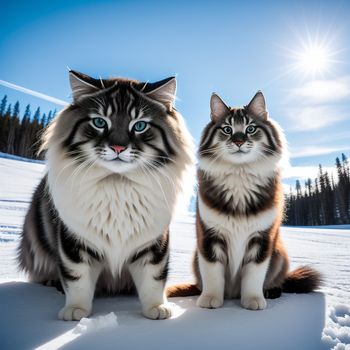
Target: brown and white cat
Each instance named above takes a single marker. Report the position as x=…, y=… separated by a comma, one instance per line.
x=99, y=220
x=239, y=211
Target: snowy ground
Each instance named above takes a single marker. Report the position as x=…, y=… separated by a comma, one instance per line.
x=28, y=312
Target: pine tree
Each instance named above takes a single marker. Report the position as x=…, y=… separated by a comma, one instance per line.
x=298, y=209
x=309, y=186
x=3, y=105
x=10, y=134
x=23, y=143
x=37, y=115
x=27, y=112
x=329, y=201
x=298, y=188
x=309, y=206
x=43, y=121
x=340, y=204
x=49, y=118
x=345, y=186
x=14, y=129
x=3, y=124
x=345, y=165
x=5, y=128
x=9, y=110
x=16, y=110
x=34, y=134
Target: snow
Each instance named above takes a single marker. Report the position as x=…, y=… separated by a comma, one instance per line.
x=290, y=323
x=17, y=180
x=28, y=317
x=338, y=334
x=87, y=325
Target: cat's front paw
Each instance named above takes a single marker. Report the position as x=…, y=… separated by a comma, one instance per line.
x=254, y=303
x=210, y=301
x=159, y=312
x=73, y=313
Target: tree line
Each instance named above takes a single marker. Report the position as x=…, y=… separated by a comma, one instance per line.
x=323, y=201
x=20, y=133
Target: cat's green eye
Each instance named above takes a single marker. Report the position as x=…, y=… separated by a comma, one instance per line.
x=251, y=129
x=99, y=123
x=140, y=126
x=227, y=130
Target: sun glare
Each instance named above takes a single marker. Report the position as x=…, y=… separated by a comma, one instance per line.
x=312, y=54
x=314, y=60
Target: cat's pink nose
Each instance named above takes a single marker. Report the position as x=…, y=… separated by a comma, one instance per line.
x=239, y=143
x=118, y=149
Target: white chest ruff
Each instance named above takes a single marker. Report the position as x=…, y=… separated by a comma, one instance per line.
x=236, y=230
x=242, y=190
x=114, y=215
x=240, y=185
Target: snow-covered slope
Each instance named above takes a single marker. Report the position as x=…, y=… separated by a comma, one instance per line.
x=28, y=312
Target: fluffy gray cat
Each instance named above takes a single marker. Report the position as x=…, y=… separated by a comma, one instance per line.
x=240, y=253
x=99, y=219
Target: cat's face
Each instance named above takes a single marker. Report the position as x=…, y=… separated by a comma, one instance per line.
x=240, y=135
x=120, y=124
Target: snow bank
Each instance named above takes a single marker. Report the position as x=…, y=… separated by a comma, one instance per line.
x=29, y=320
x=337, y=332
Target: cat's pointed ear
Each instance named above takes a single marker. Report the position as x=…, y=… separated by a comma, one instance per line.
x=218, y=108
x=163, y=91
x=257, y=106
x=81, y=84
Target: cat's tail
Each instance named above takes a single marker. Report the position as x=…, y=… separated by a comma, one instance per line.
x=302, y=280
x=182, y=290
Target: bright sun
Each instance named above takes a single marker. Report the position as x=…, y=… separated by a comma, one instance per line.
x=315, y=59
x=312, y=55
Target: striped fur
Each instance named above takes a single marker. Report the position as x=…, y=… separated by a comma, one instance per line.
x=240, y=209
x=98, y=221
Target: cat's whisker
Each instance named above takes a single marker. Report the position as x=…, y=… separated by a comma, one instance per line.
x=75, y=152
x=166, y=176
x=219, y=155
x=210, y=150
x=71, y=178
x=215, y=155
x=147, y=171
x=157, y=178
x=142, y=153
x=78, y=170
x=270, y=151
x=156, y=165
x=158, y=170
x=93, y=163
x=74, y=161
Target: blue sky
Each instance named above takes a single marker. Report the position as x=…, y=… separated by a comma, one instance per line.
x=232, y=48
